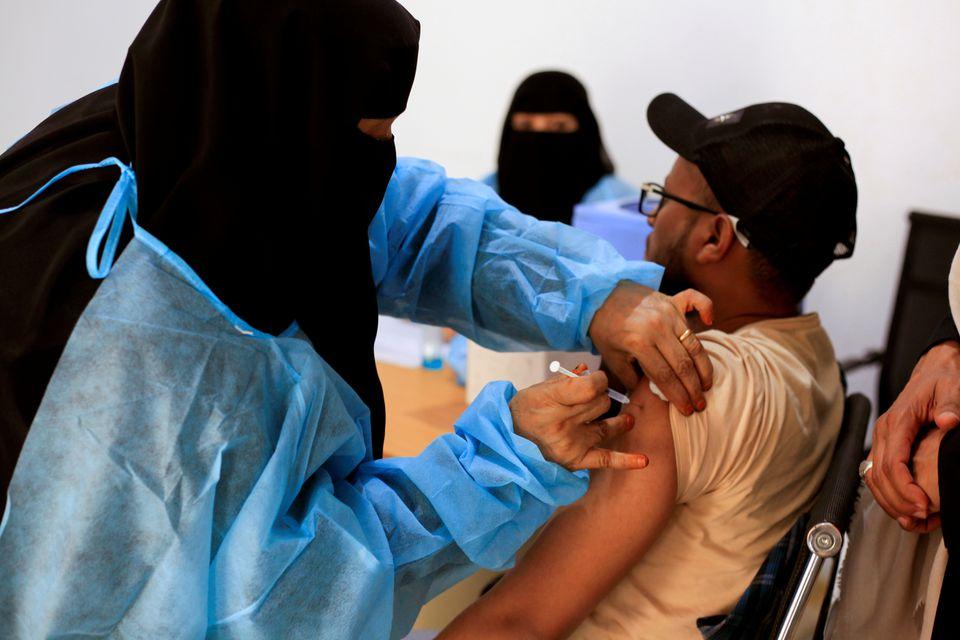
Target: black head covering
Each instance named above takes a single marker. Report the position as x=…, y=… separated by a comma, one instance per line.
x=240, y=120
x=44, y=285
x=546, y=174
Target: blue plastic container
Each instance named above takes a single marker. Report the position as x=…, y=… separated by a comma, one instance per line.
x=616, y=221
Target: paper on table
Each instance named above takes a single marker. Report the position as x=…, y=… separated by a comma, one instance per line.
x=399, y=342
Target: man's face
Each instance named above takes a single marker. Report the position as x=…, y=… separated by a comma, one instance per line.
x=668, y=244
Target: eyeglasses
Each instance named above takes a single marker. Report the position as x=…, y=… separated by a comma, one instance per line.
x=652, y=197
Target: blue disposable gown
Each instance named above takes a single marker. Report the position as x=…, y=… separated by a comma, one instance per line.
x=609, y=187
x=187, y=475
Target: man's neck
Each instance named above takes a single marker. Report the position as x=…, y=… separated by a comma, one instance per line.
x=730, y=323
x=732, y=312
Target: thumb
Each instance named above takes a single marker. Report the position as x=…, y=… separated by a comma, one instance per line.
x=692, y=300
x=612, y=427
x=947, y=414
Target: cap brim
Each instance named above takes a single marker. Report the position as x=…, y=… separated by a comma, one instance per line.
x=674, y=121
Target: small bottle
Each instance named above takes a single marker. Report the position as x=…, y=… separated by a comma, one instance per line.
x=432, y=348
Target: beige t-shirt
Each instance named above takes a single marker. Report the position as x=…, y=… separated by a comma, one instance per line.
x=747, y=466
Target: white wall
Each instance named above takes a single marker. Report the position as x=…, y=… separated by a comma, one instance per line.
x=883, y=75
x=53, y=51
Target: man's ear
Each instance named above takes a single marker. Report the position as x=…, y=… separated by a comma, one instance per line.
x=716, y=238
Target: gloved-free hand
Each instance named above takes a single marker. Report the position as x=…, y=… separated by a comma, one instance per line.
x=931, y=395
x=638, y=324
x=560, y=416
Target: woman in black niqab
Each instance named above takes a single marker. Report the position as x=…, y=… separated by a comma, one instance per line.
x=187, y=475
x=545, y=174
x=240, y=121
x=256, y=174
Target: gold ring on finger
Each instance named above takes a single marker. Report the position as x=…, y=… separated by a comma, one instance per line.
x=686, y=334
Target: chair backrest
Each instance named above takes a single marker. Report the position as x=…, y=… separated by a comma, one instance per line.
x=921, y=301
x=779, y=589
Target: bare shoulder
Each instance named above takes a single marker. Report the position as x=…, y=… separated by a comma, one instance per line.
x=651, y=435
x=651, y=418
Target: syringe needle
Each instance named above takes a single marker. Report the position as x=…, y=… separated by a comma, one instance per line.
x=555, y=367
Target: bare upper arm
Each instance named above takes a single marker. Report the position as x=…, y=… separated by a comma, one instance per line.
x=585, y=550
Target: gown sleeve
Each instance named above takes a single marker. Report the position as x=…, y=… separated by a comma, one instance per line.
x=187, y=476
x=451, y=252
x=469, y=501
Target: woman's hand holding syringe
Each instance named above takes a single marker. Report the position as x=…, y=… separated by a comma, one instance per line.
x=561, y=416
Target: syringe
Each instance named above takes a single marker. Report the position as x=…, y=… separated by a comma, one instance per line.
x=616, y=395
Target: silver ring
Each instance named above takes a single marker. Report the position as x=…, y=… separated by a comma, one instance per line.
x=865, y=466
x=686, y=334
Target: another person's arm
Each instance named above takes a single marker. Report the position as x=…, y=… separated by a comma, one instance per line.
x=931, y=396
x=936, y=466
x=586, y=550
x=948, y=484
x=451, y=252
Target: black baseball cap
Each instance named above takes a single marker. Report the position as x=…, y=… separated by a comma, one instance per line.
x=776, y=168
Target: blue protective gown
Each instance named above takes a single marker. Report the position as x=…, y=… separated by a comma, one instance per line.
x=188, y=475
x=609, y=187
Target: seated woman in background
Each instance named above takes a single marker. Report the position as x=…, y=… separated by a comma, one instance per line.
x=551, y=153
x=551, y=159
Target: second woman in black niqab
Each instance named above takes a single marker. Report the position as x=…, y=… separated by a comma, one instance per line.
x=546, y=174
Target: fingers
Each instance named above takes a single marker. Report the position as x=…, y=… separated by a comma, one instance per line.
x=892, y=482
x=906, y=495
x=660, y=371
x=685, y=302
x=916, y=525
x=612, y=427
x=906, y=522
x=905, y=510
x=601, y=458
x=580, y=399
x=685, y=378
x=701, y=359
x=692, y=300
x=930, y=524
x=946, y=401
x=905, y=501
x=591, y=410
x=577, y=391
x=683, y=369
x=930, y=395
x=868, y=479
x=598, y=458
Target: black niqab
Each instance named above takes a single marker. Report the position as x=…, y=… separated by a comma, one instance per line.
x=240, y=121
x=255, y=173
x=547, y=174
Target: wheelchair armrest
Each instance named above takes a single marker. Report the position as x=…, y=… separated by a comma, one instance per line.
x=835, y=502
